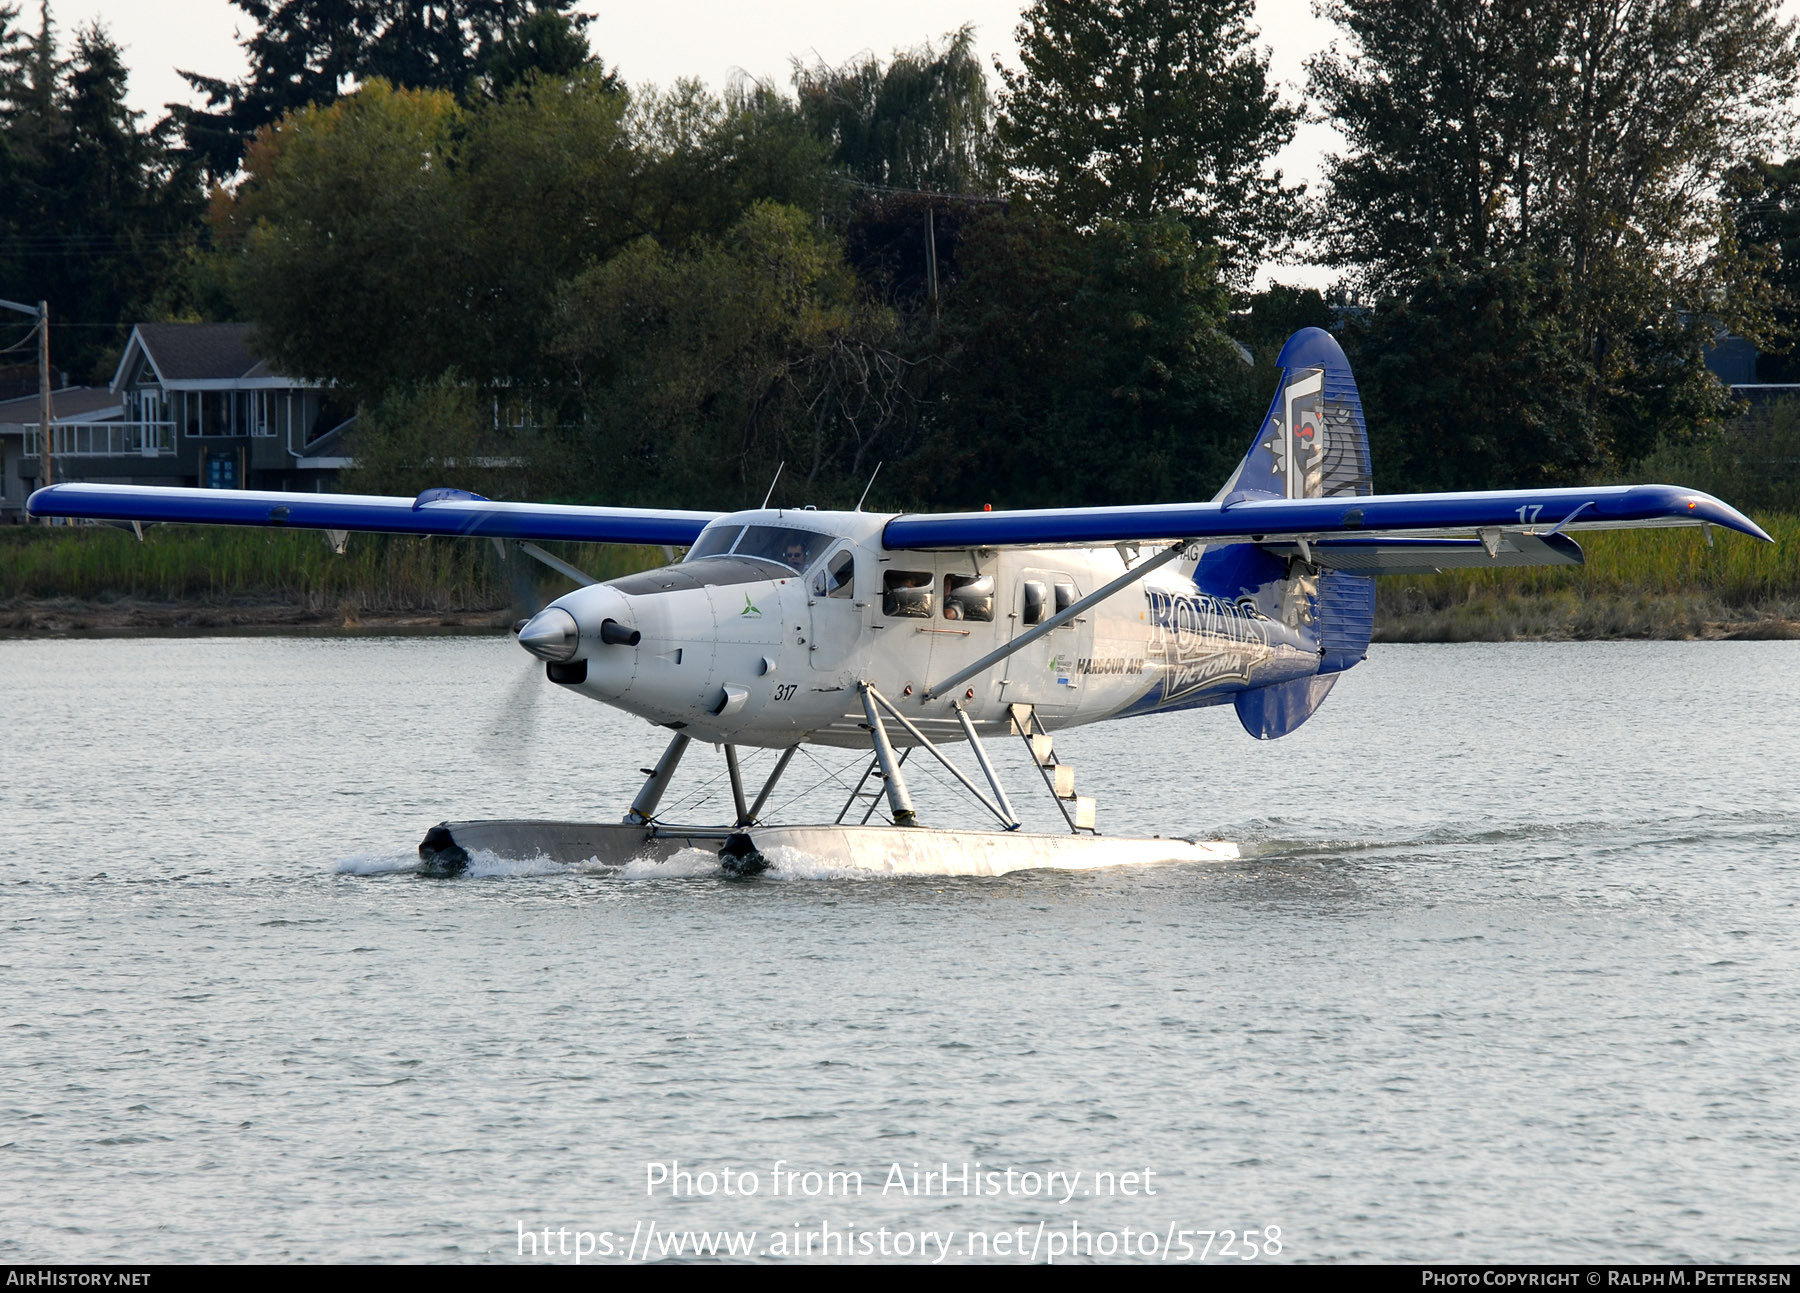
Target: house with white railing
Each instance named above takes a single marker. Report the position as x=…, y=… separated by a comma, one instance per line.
x=94, y=408
x=190, y=404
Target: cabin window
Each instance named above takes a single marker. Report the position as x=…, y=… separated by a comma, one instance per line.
x=969, y=597
x=906, y=594
x=838, y=578
x=794, y=548
x=1037, y=596
x=715, y=541
x=1066, y=596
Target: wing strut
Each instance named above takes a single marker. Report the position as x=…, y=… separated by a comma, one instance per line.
x=556, y=563
x=1056, y=621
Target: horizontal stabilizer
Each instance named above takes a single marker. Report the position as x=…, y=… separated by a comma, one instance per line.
x=446, y=512
x=1396, y=555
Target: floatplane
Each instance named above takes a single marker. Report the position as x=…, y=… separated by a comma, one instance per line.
x=907, y=634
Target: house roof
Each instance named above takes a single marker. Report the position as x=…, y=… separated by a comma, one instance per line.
x=82, y=402
x=200, y=356
x=197, y=351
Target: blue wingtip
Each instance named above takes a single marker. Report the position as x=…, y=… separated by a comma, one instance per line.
x=44, y=495
x=1692, y=504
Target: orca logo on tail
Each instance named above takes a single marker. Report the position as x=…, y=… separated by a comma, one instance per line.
x=1299, y=442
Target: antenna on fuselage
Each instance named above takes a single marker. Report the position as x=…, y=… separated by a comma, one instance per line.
x=871, y=484
x=771, y=493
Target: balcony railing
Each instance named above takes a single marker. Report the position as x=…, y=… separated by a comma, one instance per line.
x=104, y=439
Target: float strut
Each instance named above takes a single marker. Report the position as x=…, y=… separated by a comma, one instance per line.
x=737, y=785
x=1009, y=816
x=899, y=801
x=925, y=744
x=787, y=757
x=643, y=808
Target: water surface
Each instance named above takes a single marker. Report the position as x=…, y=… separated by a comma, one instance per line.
x=1508, y=970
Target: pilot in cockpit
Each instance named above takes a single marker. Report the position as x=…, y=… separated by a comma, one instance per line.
x=795, y=555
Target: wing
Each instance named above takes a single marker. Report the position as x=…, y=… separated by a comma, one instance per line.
x=1369, y=534
x=436, y=511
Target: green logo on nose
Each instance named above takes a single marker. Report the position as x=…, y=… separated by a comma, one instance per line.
x=749, y=608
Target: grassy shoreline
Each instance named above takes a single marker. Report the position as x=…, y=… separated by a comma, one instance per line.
x=100, y=580
x=1635, y=584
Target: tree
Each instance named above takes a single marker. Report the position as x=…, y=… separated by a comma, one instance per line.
x=1598, y=128
x=925, y=121
x=1446, y=110
x=96, y=213
x=1277, y=313
x=1081, y=366
x=418, y=436
x=543, y=187
x=394, y=235
x=699, y=368
x=16, y=51
x=307, y=52
x=1476, y=378
x=344, y=241
x=705, y=159
x=1126, y=109
x=1765, y=206
x=1582, y=141
x=549, y=44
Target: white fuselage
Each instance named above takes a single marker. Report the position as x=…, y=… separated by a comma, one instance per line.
x=765, y=645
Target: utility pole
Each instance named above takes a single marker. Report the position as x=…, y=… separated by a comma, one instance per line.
x=44, y=390
x=43, y=317
x=931, y=256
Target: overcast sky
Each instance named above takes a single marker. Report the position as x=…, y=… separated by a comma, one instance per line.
x=660, y=40
x=656, y=41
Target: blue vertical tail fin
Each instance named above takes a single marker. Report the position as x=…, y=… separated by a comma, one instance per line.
x=1312, y=444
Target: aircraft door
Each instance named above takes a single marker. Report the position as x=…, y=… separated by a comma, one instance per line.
x=839, y=603
x=1047, y=673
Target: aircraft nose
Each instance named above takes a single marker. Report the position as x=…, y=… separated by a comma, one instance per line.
x=552, y=635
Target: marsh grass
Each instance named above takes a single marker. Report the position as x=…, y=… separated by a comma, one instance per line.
x=1636, y=583
x=377, y=573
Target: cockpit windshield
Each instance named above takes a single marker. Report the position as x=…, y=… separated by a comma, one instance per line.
x=796, y=549
x=716, y=541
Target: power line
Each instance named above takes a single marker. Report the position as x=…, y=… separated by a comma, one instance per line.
x=60, y=325
x=29, y=339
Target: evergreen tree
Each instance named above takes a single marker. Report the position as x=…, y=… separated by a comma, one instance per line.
x=1583, y=142
x=548, y=44
x=1127, y=109
x=96, y=213
x=16, y=49
x=307, y=52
